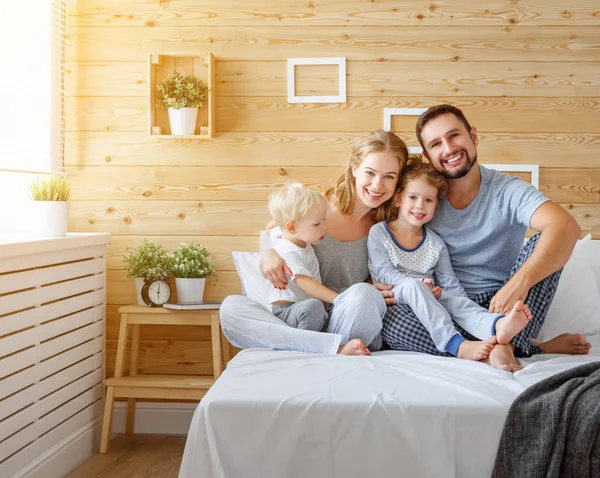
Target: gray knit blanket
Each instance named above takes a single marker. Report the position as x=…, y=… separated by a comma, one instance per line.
x=553, y=428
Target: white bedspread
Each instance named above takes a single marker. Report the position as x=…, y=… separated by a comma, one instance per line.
x=395, y=414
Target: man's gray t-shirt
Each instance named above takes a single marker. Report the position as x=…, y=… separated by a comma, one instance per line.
x=485, y=238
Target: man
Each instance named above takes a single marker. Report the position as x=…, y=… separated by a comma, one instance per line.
x=483, y=220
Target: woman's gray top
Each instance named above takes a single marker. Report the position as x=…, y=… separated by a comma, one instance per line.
x=342, y=264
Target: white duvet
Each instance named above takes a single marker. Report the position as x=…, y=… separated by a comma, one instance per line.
x=395, y=414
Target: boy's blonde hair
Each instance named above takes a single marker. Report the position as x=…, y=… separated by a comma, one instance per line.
x=292, y=201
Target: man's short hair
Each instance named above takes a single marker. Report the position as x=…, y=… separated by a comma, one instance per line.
x=433, y=113
x=293, y=201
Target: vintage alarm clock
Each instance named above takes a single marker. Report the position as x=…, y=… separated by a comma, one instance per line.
x=156, y=292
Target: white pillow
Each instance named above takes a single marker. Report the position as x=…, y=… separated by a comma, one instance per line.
x=254, y=285
x=576, y=304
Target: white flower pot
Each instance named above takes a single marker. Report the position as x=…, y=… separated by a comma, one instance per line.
x=190, y=291
x=183, y=121
x=139, y=283
x=50, y=218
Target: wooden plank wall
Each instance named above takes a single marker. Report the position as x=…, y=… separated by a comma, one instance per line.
x=526, y=73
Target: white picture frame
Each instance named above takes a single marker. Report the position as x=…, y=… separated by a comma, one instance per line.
x=533, y=169
x=291, y=83
x=387, y=121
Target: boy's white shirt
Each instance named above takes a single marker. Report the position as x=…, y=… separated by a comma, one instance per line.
x=300, y=260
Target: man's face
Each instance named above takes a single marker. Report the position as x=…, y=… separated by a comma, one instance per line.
x=451, y=149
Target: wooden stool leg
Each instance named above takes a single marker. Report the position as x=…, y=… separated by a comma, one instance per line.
x=215, y=328
x=226, y=350
x=133, y=370
x=107, y=422
x=110, y=392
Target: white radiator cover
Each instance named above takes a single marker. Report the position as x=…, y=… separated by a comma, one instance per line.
x=52, y=347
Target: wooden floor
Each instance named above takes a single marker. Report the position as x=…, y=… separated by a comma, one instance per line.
x=136, y=456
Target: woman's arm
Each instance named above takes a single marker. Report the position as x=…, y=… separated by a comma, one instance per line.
x=315, y=289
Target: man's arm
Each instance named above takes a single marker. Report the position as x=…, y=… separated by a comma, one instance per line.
x=559, y=233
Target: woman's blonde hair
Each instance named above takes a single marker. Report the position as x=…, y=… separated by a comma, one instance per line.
x=293, y=201
x=344, y=191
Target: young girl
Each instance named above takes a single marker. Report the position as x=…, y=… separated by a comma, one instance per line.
x=405, y=253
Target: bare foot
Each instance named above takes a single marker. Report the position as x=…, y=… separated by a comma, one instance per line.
x=475, y=350
x=503, y=357
x=573, y=344
x=512, y=323
x=354, y=347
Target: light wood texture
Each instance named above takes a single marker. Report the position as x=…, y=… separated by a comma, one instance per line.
x=86, y=149
x=383, y=13
x=274, y=114
x=363, y=79
x=136, y=456
x=526, y=73
x=170, y=387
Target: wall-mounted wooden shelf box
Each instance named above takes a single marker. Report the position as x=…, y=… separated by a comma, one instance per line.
x=160, y=67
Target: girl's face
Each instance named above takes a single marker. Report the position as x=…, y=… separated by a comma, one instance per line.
x=417, y=203
x=376, y=178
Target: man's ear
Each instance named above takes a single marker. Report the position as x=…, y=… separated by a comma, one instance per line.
x=474, y=136
x=290, y=227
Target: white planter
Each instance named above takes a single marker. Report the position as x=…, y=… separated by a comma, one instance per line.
x=183, y=121
x=50, y=218
x=190, y=291
x=139, y=283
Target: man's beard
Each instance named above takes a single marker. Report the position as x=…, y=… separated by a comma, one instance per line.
x=462, y=172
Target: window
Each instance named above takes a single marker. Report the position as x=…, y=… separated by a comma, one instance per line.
x=32, y=47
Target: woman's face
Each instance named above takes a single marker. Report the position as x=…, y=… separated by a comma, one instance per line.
x=376, y=178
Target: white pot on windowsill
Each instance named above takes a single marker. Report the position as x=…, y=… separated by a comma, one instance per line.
x=183, y=121
x=190, y=291
x=50, y=218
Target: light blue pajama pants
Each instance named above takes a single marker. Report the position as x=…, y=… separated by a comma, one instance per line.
x=357, y=313
x=437, y=315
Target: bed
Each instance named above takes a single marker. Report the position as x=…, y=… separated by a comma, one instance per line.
x=288, y=414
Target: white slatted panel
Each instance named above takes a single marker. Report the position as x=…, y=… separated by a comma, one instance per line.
x=52, y=346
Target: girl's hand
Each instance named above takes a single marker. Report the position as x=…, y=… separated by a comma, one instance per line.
x=274, y=269
x=386, y=292
x=436, y=291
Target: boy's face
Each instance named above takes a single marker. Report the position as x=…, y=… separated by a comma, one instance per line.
x=417, y=203
x=312, y=228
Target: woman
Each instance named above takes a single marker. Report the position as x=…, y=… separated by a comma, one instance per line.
x=361, y=197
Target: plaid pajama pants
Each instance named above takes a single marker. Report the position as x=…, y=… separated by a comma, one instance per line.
x=403, y=331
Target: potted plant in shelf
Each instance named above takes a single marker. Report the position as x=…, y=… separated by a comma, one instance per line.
x=182, y=95
x=50, y=195
x=192, y=263
x=147, y=260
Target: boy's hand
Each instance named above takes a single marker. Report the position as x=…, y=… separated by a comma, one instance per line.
x=436, y=291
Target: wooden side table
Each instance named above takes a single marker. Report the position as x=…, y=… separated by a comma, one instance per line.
x=179, y=387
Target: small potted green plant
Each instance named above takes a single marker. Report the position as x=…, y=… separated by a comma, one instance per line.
x=147, y=260
x=50, y=195
x=182, y=95
x=192, y=263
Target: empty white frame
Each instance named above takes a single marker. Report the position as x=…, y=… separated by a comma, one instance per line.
x=533, y=169
x=387, y=121
x=291, y=83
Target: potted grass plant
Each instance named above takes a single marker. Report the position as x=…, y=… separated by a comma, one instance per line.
x=182, y=95
x=147, y=260
x=50, y=195
x=192, y=264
